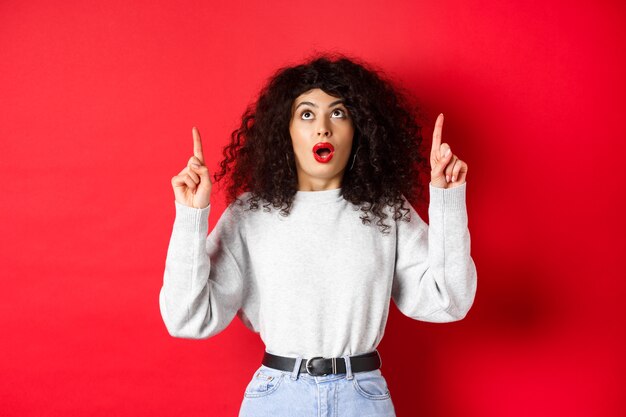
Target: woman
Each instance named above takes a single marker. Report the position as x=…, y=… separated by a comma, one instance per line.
x=328, y=147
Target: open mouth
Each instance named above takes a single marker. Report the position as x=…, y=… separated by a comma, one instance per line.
x=323, y=152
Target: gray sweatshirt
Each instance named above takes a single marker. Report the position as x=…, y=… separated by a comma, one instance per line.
x=317, y=282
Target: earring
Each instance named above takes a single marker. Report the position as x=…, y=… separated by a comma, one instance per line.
x=354, y=157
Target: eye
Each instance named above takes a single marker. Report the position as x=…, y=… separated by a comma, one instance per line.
x=304, y=114
x=340, y=112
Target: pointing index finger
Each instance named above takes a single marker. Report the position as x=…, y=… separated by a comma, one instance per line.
x=437, y=134
x=197, y=144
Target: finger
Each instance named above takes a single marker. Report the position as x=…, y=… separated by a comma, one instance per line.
x=444, y=151
x=203, y=172
x=197, y=144
x=450, y=168
x=193, y=175
x=462, y=175
x=440, y=165
x=178, y=181
x=189, y=182
x=457, y=169
x=194, y=160
x=437, y=135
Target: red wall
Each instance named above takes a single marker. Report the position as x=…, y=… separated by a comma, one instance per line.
x=97, y=101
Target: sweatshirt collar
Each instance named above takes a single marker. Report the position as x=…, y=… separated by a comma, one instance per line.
x=318, y=196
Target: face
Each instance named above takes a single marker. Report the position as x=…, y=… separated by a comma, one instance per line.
x=321, y=133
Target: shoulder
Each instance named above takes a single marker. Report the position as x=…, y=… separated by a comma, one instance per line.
x=403, y=211
x=240, y=214
x=409, y=224
x=228, y=237
x=240, y=203
x=231, y=221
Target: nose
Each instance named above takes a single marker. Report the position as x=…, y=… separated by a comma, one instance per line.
x=323, y=130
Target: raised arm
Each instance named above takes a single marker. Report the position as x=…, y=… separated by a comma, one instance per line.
x=203, y=285
x=435, y=276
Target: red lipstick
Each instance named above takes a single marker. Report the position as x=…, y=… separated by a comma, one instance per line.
x=323, y=152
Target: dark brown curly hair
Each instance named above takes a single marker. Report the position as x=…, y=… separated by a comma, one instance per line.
x=387, y=140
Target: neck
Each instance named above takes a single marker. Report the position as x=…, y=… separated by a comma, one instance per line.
x=317, y=184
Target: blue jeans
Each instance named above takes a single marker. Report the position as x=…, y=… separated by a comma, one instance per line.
x=277, y=393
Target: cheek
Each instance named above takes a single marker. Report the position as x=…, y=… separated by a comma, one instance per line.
x=348, y=135
x=298, y=140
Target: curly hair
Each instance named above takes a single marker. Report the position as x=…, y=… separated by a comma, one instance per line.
x=260, y=158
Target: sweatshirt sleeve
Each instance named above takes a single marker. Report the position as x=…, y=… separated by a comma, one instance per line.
x=203, y=281
x=435, y=277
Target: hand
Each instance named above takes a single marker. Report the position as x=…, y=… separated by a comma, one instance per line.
x=446, y=169
x=192, y=186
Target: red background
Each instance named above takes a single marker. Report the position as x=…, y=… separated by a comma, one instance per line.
x=97, y=101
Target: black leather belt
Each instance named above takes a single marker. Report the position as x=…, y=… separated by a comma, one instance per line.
x=319, y=366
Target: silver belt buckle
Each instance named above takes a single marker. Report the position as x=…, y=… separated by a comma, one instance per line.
x=308, y=365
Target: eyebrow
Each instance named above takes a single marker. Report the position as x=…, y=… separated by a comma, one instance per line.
x=315, y=105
